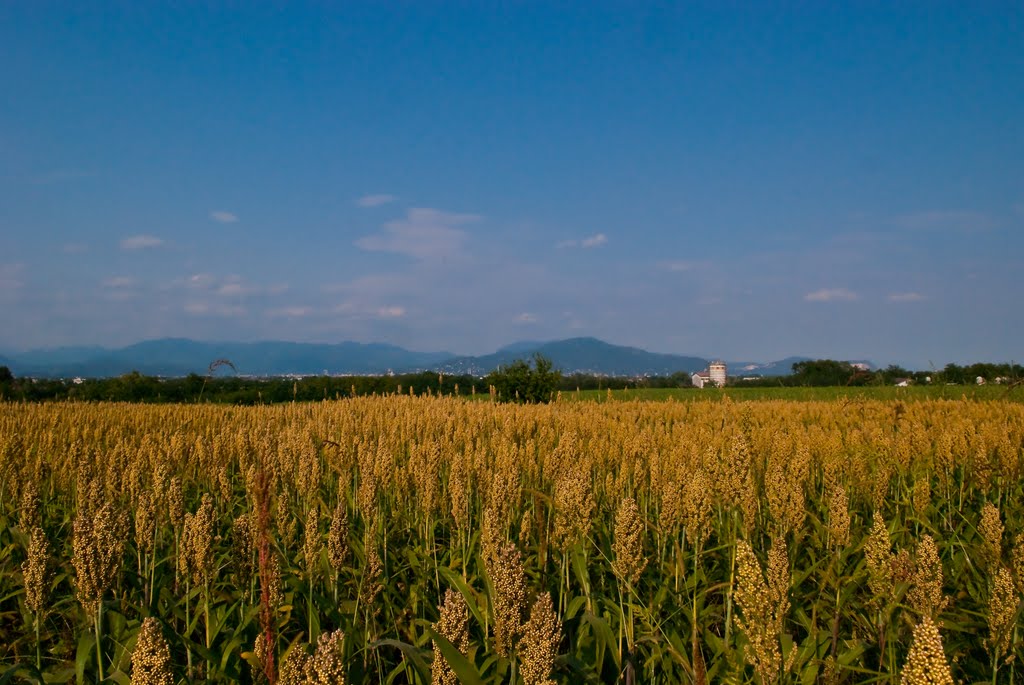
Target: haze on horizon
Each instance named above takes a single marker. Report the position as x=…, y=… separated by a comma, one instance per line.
x=841, y=181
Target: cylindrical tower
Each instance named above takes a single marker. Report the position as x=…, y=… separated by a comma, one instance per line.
x=717, y=371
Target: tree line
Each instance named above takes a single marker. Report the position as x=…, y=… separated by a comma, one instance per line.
x=524, y=381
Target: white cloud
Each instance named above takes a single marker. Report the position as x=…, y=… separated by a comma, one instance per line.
x=526, y=317
x=224, y=217
x=831, y=295
x=377, y=200
x=200, y=281
x=423, y=234
x=596, y=240
x=391, y=312
x=290, y=312
x=906, y=297
x=140, y=242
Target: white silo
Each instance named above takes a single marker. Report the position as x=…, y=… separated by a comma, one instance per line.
x=717, y=371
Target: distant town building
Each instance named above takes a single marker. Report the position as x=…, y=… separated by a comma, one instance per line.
x=902, y=382
x=715, y=375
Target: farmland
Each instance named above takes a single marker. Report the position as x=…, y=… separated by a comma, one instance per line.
x=432, y=539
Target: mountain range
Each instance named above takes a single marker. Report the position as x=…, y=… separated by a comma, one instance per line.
x=181, y=356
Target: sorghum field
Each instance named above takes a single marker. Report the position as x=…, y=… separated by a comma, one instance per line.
x=424, y=539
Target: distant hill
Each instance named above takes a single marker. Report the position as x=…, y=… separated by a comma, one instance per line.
x=584, y=355
x=181, y=356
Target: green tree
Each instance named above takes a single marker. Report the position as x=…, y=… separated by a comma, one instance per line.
x=522, y=382
x=825, y=372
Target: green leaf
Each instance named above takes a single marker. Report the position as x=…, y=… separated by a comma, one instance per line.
x=466, y=671
x=606, y=639
x=413, y=653
x=9, y=674
x=83, y=655
x=459, y=583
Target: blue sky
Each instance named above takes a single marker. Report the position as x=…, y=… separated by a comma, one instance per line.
x=722, y=179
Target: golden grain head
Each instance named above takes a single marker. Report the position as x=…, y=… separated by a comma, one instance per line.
x=838, y=517
x=758, y=617
x=453, y=624
x=539, y=645
x=327, y=664
x=151, y=659
x=1002, y=611
x=36, y=571
x=628, y=548
x=508, y=603
x=338, y=550
x=926, y=661
x=991, y=530
x=925, y=595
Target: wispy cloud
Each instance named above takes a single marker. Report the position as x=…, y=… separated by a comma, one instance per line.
x=214, y=309
x=10, y=277
x=526, y=317
x=119, y=282
x=391, y=312
x=230, y=286
x=596, y=240
x=377, y=200
x=423, y=234
x=946, y=219
x=141, y=242
x=906, y=297
x=223, y=216
x=120, y=288
x=679, y=265
x=292, y=312
x=831, y=295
